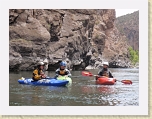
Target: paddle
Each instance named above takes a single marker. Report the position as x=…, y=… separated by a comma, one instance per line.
x=86, y=73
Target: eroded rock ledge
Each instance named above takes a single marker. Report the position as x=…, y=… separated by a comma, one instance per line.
x=83, y=38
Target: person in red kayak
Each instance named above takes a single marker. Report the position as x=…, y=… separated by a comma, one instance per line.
x=105, y=72
x=38, y=73
x=62, y=70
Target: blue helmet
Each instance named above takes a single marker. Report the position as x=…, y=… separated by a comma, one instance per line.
x=63, y=64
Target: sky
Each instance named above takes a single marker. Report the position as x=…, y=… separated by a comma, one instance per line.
x=121, y=12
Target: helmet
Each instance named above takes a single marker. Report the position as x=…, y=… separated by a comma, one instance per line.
x=62, y=64
x=106, y=63
x=40, y=63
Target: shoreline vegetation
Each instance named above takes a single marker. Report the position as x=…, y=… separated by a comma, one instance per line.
x=134, y=56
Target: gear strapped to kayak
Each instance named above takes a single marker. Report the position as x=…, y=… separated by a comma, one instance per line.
x=65, y=78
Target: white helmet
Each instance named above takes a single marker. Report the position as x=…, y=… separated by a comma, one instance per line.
x=106, y=63
x=40, y=63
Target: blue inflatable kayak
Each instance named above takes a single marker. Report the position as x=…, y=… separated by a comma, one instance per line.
x=44, y=82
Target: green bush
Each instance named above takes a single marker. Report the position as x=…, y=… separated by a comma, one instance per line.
x=134, y=55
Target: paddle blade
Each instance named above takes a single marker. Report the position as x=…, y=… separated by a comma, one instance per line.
x=86, y=73
x=126, y=81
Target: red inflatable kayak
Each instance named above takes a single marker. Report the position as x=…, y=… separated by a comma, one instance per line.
x=105, y=81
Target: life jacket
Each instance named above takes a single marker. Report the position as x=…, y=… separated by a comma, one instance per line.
x=40, y=71
x=37, y=74
x=62, y=72
x=105, y=73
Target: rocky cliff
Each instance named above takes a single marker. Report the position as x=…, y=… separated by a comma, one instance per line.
x=84, y=38
x=128, y=26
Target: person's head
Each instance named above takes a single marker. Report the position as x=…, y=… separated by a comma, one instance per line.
x=105, y=65
x=62, y=65
x=41, y=65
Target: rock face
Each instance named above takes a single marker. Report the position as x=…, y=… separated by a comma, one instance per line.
x=128, y=26
x=116, y=50
x=83, y=38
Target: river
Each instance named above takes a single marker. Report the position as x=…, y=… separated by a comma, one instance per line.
x=83, y=91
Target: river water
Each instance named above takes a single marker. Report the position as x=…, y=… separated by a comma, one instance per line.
x=83, y=91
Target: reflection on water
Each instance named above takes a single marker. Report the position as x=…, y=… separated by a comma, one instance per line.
x=83, y=91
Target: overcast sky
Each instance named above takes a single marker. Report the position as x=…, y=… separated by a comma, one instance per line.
x=121, y=12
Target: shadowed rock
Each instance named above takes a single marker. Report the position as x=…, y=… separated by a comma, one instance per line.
x=81, y=37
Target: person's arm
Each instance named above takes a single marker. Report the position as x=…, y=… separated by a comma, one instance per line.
x=56, y=73
x=68, y=73
x=110, y=75
x=100, y=73
x=42, y=73
x=36, y=76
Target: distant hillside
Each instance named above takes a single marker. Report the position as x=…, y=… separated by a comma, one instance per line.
x=128, y=25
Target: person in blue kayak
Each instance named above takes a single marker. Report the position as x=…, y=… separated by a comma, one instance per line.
x=62, y=70
x=105, y=72
x=38, y=73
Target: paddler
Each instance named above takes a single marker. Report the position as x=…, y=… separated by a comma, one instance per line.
x=105, y=72
x=38, y=73
x=62, y=70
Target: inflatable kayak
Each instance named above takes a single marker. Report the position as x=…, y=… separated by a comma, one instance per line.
x=105, y=81
x=65, y=78
x=44, y=82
